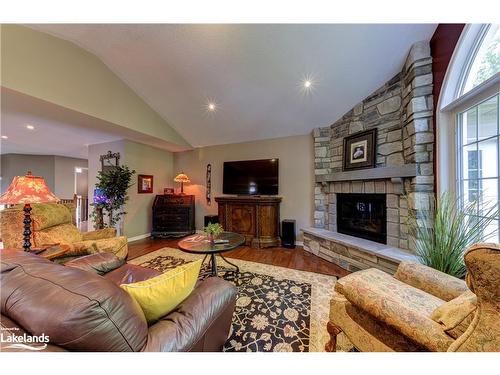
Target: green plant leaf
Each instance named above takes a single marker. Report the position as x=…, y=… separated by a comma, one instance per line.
x=444, y=233
x=213, y=229
x=114, y=184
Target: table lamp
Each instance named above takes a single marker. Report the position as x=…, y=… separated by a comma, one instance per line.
x=182, y=178
x=27, y=189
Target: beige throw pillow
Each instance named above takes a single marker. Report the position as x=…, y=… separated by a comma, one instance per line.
x=456, y=315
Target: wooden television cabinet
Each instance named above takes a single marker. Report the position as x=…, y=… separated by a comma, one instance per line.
x=255, y=217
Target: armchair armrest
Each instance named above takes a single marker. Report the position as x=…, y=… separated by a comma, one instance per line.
x=483, y=267
x=99, y=234
x=429, y=280
x=400, y=306
x=100, y=263
x=115, y=245
x=200, y=323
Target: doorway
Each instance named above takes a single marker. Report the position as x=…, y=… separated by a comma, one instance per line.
x=81, y=197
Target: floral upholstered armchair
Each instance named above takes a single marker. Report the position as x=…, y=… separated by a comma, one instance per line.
x=421, y=309
x=52, y=224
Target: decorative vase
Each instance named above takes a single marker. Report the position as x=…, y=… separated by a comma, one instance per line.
x=211, y=239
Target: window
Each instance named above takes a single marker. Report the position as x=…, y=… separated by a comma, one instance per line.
x=478, y=158
x=474, y=175
x=467, y=122
x=485, y=60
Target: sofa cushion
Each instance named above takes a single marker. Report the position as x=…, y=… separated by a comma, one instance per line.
x=401, y=306
x=115, y=245
x=11, y=222
x=78, y=310
x=99, y=234
x=161, y=294
x=456, y=315
x=46, y=215
x=365, y=332
x=130, y=273
x=64, y=233
x=101, y=263
x=384, y=286
x=437, y=283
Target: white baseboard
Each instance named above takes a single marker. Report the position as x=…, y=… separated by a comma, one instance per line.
x=140, y=237
x=299, y=243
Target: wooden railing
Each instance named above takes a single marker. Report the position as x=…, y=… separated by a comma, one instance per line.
x=81, y=203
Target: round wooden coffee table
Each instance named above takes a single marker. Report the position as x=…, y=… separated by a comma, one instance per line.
x=199, y=244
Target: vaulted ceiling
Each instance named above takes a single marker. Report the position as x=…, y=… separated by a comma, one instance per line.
x=253, y=73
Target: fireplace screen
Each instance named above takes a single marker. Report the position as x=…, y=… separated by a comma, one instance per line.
x=362, y=215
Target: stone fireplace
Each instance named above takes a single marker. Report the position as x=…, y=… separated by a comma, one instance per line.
x=402, y=180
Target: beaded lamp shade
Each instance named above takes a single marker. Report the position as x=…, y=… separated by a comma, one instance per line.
x=27, y=189
x=182, y=178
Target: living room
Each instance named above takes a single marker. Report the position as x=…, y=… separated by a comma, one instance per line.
x=321, y=185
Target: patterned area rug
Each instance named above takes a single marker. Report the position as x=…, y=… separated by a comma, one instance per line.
x=277, y=309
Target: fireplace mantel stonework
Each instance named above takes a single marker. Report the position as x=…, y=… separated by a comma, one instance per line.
x=401, y=110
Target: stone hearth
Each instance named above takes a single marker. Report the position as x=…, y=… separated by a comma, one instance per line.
x=353, y=254
x=401, y=110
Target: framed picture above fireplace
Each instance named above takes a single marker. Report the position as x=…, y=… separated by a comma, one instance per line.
x=360, y=150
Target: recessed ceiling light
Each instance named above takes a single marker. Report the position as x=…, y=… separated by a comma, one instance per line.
x=211, y=105
x=307, y=84
x=4, y=137
x=30, y=127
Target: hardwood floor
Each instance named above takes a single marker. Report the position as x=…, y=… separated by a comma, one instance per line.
x=297, y=258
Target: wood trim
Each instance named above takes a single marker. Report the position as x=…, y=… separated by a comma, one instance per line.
x=443, y=43
x=482, y=92
x=333, y=331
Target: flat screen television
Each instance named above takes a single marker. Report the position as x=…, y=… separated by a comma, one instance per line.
x=251, y=177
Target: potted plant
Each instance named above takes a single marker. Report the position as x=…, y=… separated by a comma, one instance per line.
x=213, y=231
x=112, y=185
x=445, y=232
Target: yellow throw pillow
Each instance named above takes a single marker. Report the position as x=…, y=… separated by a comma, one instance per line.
x=162, y=294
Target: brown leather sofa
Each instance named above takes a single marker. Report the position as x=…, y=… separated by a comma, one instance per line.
x=80, y=307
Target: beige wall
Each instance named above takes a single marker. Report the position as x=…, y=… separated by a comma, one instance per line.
x=82, y=182
x=151, y=161
x=64, y=175
x=18, y=164
x=296, y=173
x=58, y=171
x=62, y=73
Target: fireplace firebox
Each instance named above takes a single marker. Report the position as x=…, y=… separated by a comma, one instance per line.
x=362, y=215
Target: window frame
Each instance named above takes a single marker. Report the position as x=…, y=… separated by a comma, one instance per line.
x=474, y=102
x=453, y=101
x=469, y=60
